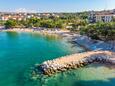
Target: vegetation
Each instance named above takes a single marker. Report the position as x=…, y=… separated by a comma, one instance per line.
x=34, y=22
x=65, y=19
x=100, y=30
x=2, y=23
x=10, y=24
x=76, y=21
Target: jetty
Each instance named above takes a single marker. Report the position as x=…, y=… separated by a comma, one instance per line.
x=76, y=61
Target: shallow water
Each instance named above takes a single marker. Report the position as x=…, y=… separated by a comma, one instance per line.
x=20, y=51
x=92, y=75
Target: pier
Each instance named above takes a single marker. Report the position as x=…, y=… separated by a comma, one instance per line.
x=76, y=61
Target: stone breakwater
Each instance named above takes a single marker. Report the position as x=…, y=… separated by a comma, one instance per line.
x=75, y=61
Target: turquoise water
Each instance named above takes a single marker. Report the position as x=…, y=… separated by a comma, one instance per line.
x=20, y=51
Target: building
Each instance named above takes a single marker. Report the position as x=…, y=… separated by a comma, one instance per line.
x=23, y=16
x=104, y=17
x=92, y=17
x=101, y=16
x=15, y=16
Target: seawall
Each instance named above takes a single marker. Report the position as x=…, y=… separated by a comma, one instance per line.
x=75, y=61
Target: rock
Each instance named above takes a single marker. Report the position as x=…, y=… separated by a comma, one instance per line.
x=57, y=65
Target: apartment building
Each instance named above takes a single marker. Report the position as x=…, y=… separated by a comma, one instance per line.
x=102, y=16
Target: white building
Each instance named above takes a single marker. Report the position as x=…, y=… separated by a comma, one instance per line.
x=104, y=17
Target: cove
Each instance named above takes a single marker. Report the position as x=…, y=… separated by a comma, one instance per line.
x=19, y=51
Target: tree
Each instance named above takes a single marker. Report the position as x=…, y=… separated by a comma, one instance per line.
x=10, y=24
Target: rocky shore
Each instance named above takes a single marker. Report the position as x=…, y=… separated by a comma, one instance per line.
x=75, y=61
x=91, y=44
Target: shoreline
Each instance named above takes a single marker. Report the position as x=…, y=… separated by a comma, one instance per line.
x=62, y=33
x=34, y=30
x=83, y=41
x=94, y=45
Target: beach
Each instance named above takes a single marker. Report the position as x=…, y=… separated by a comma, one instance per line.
x=36, y=30
x=83, y=41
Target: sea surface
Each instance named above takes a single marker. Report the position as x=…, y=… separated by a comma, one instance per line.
x=19, y=51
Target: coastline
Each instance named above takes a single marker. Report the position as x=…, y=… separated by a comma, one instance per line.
x=94, y=45
x=34, y=30
x=83, y=41
x=62, y=33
